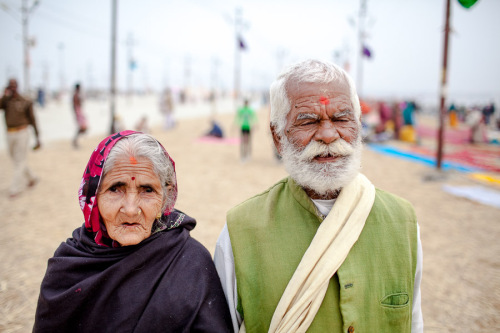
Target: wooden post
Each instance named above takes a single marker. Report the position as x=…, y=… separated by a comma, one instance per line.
x=444, y=89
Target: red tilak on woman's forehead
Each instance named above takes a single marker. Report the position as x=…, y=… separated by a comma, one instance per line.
x=133, y=161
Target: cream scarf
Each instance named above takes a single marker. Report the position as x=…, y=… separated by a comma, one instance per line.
x=329, y=248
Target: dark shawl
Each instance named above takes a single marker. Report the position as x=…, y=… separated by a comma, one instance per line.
x=166, y=283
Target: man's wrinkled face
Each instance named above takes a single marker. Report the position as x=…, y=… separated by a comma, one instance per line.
x=321, y=144
x=320, y=112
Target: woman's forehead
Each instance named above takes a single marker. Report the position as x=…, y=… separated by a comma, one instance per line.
x=131, y=166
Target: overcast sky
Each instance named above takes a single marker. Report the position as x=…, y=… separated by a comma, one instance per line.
x=405, y=37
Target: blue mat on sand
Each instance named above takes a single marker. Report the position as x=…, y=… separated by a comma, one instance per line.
x=430, y=161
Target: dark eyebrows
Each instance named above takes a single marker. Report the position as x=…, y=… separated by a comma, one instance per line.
x=115, y=184
x=118, y=184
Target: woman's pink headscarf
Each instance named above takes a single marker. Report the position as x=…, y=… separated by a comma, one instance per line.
x=91, y=180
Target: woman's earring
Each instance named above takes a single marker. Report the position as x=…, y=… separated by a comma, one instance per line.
x=158, y=216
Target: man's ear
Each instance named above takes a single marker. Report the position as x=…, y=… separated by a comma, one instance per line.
x=276, y=138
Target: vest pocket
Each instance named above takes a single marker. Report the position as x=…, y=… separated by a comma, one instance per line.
x=395, y=300
x=396, y=312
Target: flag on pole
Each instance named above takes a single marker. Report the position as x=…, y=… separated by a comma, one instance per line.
x=241, y=43
x=467, y=3
x=367, y=52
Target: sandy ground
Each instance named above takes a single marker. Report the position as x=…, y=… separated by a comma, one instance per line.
x=461, y=282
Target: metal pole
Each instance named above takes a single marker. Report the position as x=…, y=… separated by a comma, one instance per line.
x=444, y=88
x=26, y=61
x=187, y=77
x=237, y=55
x=361, y=37
x=213, y=93
x=131, y=64
x=62, y=89
x=113, y=64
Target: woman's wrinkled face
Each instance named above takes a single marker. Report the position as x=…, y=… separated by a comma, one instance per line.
x=129, y=199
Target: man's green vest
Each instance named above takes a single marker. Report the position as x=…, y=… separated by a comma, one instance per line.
x=372, y=290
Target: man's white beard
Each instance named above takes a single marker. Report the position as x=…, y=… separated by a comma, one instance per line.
x=322, y=178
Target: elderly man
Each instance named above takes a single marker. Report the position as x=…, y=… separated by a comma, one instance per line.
x=18, y=117
x=322, y=250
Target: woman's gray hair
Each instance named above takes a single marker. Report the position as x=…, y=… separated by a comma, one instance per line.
x=144, y=145
x=314, y=71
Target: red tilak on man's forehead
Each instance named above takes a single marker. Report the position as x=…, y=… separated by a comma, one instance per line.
x=324, y=100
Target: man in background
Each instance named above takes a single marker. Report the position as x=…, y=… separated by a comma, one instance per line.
x=245, y=118
x=81, y=121
x=19, y=116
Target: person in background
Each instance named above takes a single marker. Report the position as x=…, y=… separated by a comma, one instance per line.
x=409, y=132
x=19, y=116
x=142, y=125
x=167, y=108
x=396, y=119
x=132, y=266
x=119, y=124
x=322, y=250
x=477, y=125
x=81, y=121
x=385, y=113
x=215, y=131
x=453, y=115
x=245, y=118
x=488, y=111
x=40, y=97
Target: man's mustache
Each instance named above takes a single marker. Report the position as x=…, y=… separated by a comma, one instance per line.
x=338, y=148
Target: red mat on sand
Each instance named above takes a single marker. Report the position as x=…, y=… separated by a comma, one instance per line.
x=451, y=135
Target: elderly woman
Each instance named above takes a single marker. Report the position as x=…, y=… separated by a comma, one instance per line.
x=132, y=267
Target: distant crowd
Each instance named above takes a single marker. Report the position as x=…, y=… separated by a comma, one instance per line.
x=384, y=120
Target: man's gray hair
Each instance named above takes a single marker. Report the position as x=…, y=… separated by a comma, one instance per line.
x=313, y=71
x=144, y=145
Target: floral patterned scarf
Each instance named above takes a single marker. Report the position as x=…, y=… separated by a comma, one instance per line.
x=90, y=184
